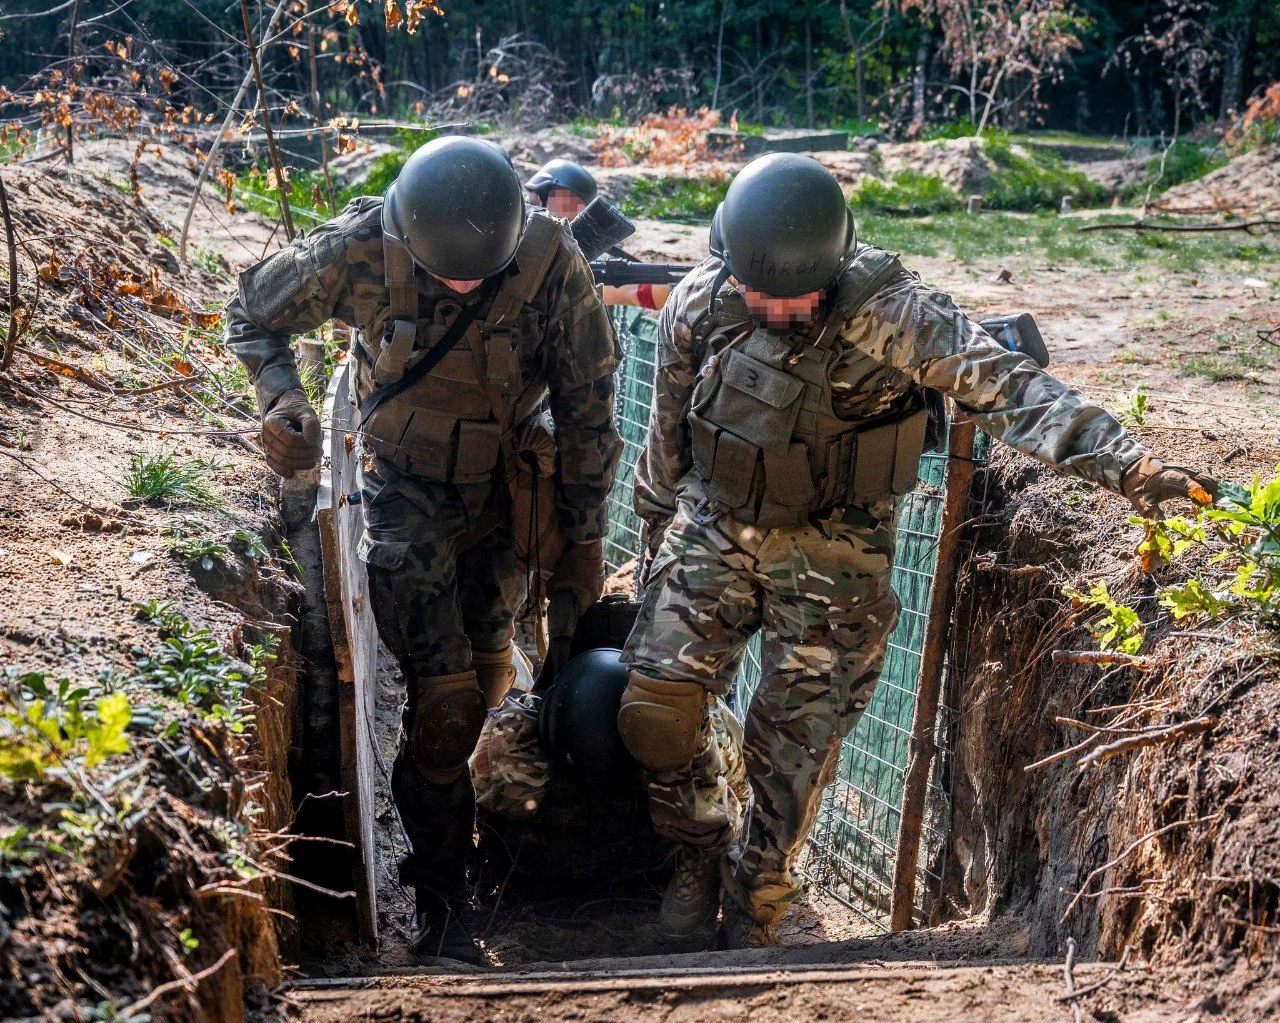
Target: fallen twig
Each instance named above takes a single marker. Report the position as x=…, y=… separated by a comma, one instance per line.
x=1072, y=995
x=1124, y=855
x=1097, y=985
x=67, y=370
x=129, y=392
x=32, y=469
x=1101, y=657
x=188, y=982
x=1147, y=737
x=1141, y=225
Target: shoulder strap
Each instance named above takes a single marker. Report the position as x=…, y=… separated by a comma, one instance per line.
x=868, y=272
x=533, y=258
x=398, y=271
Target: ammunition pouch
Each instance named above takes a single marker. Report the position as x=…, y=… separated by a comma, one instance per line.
x=660, y=721
x=448, y=715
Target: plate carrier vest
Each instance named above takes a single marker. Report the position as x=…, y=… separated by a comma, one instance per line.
x=453, y=424
x=767, y=444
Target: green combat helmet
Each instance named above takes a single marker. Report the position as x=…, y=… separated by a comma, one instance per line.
x=562, y=174
x=783, y=227
x=457, y=207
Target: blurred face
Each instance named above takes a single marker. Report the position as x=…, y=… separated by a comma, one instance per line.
x=774, y=313
x=563, y=203
x=461, y=287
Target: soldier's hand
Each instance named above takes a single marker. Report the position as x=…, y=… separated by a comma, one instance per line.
x=580, y=571
x=1149, y=481
x=291, y=434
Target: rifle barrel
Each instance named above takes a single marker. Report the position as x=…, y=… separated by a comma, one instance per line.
x=618, y=273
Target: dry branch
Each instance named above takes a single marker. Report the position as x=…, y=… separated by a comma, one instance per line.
x=1072, y=995
x=1148, y=737
x=1101, y=657
x=1097, y=985
x=1142, y=225
x=282, y=182
x=11, y=336
x=188, y=983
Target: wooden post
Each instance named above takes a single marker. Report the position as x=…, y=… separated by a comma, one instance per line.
x=924, y=721
x=355, y=643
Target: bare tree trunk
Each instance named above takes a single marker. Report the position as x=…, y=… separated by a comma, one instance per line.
x=282, y=181
x=724, y=16
x=1233, y=67
x=808, y=74
x=859, y=85
x=71, y=70
x=918, y=83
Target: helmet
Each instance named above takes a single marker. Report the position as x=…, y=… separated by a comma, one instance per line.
x=784, y=227
x=562, y=174
x=502, y=150
x=457, y=207
x=578, y=721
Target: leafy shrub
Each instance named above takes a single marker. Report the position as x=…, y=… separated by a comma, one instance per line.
x=1035, y=181
x=961, y=129
x=1260, y=125
x=1118, y=628
x=674, y=198
x=906, y=193
x=45, y=728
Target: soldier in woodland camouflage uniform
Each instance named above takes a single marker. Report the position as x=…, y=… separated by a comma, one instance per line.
x=472, y=310
x=787, y=423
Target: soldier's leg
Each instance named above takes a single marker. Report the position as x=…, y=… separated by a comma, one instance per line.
x=491, y=588
x=828, y=612
x=413, y=592
x=701, y=606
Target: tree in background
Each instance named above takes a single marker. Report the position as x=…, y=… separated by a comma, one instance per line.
x=1002, y=50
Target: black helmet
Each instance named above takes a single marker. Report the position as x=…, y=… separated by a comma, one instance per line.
x=562, y=174
x=579, y=717
x=784, y=227
x=457, y=206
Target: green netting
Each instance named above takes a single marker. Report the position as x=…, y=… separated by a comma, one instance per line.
x=852, y=849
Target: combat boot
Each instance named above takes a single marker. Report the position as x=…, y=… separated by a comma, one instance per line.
x=739, y=929
x=440, y=937
x=692, y=898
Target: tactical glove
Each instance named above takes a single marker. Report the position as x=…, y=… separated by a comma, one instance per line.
x=291, y=434
x=1149, y=481
x=581, y=572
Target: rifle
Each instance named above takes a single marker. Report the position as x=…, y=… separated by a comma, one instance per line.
x=618, y=273
x=598, y=229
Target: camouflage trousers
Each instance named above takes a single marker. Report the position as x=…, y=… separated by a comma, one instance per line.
x=433, y=604
x=819, y=595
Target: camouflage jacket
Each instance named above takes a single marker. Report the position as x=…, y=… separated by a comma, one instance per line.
x=337, y=271
x=906, y=336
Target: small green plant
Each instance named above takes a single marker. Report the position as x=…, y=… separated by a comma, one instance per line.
x=187, y=941
x=959, y=129
x=167, y=479
x=1119, y=628
x=47, y=728
x=1241, y=531
x=211, y=261
x=17, y=853
x=1132, y=410
x=203, y=549
x=906, y=193
x=690, y=199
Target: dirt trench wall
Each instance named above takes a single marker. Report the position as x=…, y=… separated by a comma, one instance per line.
x=1023, y=843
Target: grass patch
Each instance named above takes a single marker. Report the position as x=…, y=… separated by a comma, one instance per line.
x=687, y=199
x=163, y=478
x=1185, y=162
x=1036, y=181
x=907, y=193
x=1053, y=240
x=1230, y=366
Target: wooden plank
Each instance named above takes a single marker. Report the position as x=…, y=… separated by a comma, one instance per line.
x=355, y=642
x=922, y=745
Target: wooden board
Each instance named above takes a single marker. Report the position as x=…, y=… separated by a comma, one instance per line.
x=355, y=641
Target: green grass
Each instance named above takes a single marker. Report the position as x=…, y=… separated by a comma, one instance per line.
x=1037, y=181
x=163, y=478
x=1226, y=366
x=1045, y=239
x=674, y=198
x=1186, y=161
x=908, y=193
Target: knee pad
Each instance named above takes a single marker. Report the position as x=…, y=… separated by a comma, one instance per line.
x=495, y=673
x=660, y=721
x=447, y=719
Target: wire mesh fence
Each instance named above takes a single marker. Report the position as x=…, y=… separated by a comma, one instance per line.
x=852, y=850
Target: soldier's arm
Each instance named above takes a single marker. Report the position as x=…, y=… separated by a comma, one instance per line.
x=667, y=453
x=923, y=334
x=290, y=292
x=582, y=353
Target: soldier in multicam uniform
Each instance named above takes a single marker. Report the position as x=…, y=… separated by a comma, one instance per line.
x=453, y=276
x=787, y=423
